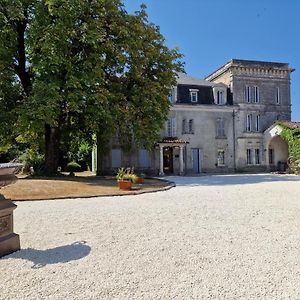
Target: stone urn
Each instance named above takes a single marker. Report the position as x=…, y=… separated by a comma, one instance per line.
x=9, y=241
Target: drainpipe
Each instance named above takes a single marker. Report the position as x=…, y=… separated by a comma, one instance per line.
x=234, y=141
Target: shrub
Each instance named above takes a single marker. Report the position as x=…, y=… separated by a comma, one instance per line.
x=73, y=166
x=126, y=174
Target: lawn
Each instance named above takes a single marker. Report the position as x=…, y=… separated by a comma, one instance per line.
x=84, y=185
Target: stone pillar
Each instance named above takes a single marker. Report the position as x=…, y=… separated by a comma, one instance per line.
x=161, y=160
x=181, y=160
x=9, y=241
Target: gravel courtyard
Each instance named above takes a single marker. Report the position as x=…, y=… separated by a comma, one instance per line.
x=211, y=237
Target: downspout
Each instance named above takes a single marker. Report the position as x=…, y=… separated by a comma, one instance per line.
x=234, y=141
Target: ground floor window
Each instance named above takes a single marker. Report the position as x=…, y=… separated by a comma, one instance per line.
x=249, y=156
x=144, y=159
x=116, y=158
x=271, y=156
x=221, y=158
x=257, y=156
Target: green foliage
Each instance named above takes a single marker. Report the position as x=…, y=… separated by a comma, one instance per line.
x=292, y=137
x=73, y=166
x=72, y=69
x=127, y=174
x=31, y=158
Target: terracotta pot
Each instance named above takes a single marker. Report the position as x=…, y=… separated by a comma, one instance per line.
x=140, y=180
x=124, y=184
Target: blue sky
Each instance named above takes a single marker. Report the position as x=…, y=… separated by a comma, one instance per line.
x=211, y=32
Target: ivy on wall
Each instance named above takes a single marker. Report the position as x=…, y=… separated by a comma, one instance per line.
x=292, y=137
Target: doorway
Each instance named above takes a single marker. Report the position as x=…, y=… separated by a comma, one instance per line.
x=168, y=160
x=197, y=160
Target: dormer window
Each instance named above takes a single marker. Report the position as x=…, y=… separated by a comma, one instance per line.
x=220, y=98
x=220, y=95
x=194, y=95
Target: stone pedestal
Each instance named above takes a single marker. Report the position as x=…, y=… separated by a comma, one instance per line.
x=9, y=241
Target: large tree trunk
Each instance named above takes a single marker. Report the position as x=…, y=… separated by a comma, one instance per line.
x=52, y=139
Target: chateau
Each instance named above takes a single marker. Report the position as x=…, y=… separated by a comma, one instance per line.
x=224, y=123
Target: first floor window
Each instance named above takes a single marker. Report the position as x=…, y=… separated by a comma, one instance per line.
x=249, y=156
x=257, y=156
x=221, y=158
x=220, y=127
x=191, y=126
x=271, y=156
x=183, y=126
x=171, y=127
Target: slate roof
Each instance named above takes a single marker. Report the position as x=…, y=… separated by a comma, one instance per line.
x=186, y=79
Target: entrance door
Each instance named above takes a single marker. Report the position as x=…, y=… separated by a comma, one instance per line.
x=168, y=160
x=196, y=160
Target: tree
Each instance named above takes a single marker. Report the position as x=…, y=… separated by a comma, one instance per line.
x=71, y=69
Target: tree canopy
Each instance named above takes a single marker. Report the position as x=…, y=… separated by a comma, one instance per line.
x=73, y=69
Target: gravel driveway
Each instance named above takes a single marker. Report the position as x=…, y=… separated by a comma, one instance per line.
x=211, y=237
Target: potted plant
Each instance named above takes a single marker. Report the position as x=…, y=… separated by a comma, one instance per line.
x=140, y=178
x=126, y=178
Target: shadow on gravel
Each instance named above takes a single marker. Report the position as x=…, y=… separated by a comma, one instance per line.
x=62, y=254
x=219, y=180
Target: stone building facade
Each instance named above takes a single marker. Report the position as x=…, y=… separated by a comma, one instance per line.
x=218, y=125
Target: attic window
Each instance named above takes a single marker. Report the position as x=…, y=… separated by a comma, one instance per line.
x=194, y=95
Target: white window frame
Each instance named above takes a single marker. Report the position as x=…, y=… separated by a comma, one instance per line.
x=249, y=122
x=194, y=95
x=249, y=156
x=171, y=127
x=221, y=158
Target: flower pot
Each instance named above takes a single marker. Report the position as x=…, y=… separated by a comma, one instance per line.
x=140, y=180
x=124, y=184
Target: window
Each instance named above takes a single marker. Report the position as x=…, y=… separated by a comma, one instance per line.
x=256, y=94
x=116, y=157
x=191, y=126
x=194, y=95
x=277, y=96
x=252, y=94
x=183, y=126
x=220, y=127
x=257, y=123
x=221, y=158
x=220, y=98
x=249, y=156
x=257, y=156
x=248, y=94
x=271, y=156
x=171, y=127
x=249, y=123
x=170, y=97
x=144, y=159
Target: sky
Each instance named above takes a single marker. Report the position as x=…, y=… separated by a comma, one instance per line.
x=211, y=32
